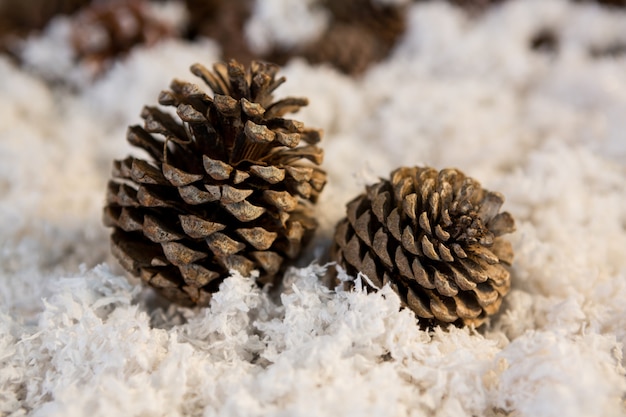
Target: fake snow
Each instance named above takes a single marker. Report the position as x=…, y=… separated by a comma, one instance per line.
x=545, y=128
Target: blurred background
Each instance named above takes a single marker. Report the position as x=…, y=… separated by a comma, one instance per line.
x=356, y=33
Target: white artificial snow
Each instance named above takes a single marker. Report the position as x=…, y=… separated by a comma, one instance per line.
x=145, y=73
x=173, y=13
x=52, y=55
x=78, y=337
x=284, y=24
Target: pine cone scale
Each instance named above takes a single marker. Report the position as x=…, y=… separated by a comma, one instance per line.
x=179, y=254
x=157, y=231
x=444, y=285
x=422, y=277
x=409, y=242
x=419, y=304
x=134, y=254
x=460, y=279
x=443, y=309
x=467, y=307
x=143, y=173
x=129, y=220
x=152, y=197
x=269, y=261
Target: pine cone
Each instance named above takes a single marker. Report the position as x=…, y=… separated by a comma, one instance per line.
x=350, y=48
x=387, y=22
x=25, y=16
x=108, y=29
x=19, y=18
x=360, y=32
x=435, y=238
x=229, y=186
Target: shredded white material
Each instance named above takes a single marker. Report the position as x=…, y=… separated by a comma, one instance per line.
x=284, y=24
x=79, y=338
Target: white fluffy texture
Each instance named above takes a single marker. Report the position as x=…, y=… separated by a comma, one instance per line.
x=52, y=55
x=284, y=24
x=172, y=13
x=545, y=130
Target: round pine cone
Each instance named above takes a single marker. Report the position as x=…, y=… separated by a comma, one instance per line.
x=435, y=238
x=229, y=185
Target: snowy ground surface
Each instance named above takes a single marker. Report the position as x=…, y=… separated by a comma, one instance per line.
x=545, y=128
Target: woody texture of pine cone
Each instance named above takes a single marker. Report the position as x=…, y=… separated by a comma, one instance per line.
x=229, y=185
x=435, y=238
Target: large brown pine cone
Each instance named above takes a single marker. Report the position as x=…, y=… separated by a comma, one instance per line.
x=435, y=238
x=229, y=186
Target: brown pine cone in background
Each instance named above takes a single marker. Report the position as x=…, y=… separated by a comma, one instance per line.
x=24, y=16
x=108, y=29
x=229, y=186
x=349, y=48
x=201, y=11
x=385, y=22
x=360, y=33
x=18, y=18
x=435, y=238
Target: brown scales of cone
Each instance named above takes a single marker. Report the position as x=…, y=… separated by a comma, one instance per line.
x=229, y=186
x=435, y=238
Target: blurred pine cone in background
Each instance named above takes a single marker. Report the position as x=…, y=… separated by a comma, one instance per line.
x=18, y=18
x=435, y=238
x=360, y=33
x=229, y=185
x=22, y=16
